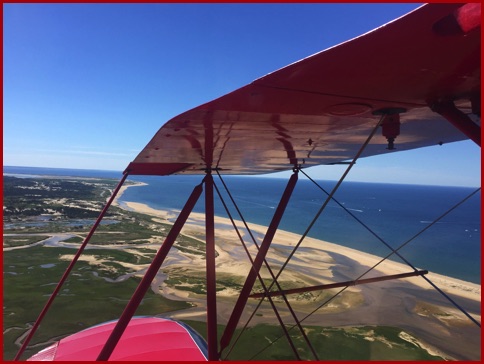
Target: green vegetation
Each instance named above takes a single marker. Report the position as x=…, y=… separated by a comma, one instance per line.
x=191, y=246
x=189, y=280
x=87, y=298
x=101, y=282
x=267, y=342
x=36, y=196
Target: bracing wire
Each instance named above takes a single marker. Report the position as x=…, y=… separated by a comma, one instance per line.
x=260, y=279
x=395, y=251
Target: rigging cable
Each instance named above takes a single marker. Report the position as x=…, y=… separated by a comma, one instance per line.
x=395, y=251
x=260, y=278
x=401, y=246
x=382, y=260
x=424, y=277
x=255, y=243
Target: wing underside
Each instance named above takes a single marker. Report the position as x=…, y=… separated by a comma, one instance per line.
x=321, y=109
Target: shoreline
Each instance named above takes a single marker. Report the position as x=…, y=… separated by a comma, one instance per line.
x=122, y=189
x=410, y=304
x=195, y=224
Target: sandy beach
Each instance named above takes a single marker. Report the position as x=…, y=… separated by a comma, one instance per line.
x=410, y=303
x=195, y=227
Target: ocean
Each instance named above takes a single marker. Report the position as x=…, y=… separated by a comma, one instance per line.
x=394, y=212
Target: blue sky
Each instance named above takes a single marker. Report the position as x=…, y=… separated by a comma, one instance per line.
x=88, y=85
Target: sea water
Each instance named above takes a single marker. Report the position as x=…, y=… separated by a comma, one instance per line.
x=372, y=213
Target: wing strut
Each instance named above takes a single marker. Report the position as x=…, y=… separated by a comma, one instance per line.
x=460, y=120
x=210, y=268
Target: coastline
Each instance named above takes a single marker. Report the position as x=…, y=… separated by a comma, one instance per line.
x=195, y=226
x=410, y=304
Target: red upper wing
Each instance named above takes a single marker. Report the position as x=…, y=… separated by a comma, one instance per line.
x=321, y=109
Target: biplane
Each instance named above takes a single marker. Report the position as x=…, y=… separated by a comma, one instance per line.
x=411, y=83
